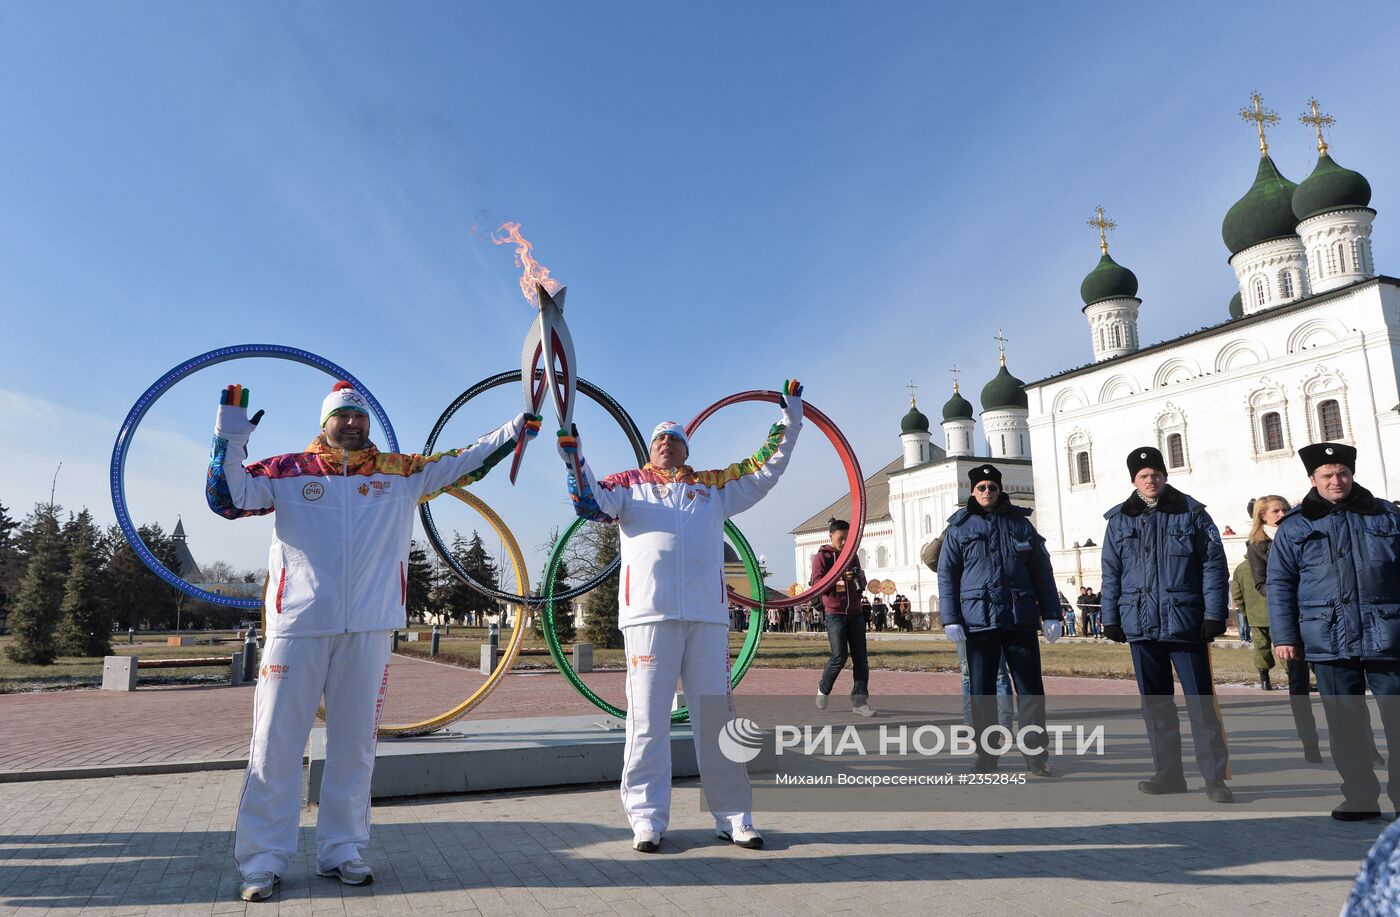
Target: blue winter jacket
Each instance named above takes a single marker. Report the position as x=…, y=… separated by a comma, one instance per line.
x=1334, y=578
x=1163, y=569
x=994, y=571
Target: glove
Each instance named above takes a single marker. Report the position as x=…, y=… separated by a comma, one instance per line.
x=568, y=444
x=954, y=632
x=529, y=424
x=1210, y=629
x=232, y=421
x=1115, y=633
x=1053, y=630
x=790, y=399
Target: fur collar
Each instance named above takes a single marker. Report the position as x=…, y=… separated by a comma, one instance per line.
x=1360, y=501
x=1171, y=501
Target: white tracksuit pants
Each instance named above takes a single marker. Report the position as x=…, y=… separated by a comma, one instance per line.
x=657, y=656
x=352, y=672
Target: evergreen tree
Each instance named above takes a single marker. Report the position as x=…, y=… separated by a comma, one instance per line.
x=35, y=613
x=482, y=568
x=85, y=628
x=563, y=611
x=600, y=608
x=10, y=570
x=135, y=596
x=421, y=576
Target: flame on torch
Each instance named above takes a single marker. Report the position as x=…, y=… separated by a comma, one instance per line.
x=532, y=272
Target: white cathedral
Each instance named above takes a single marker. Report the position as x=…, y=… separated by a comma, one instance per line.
x=1310, y=352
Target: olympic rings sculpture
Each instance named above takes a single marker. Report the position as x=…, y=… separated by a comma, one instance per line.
x=615, y=410
x=853, y=476
x=746, y=653
x=117, y=471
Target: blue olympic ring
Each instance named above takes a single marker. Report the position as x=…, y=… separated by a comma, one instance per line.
x=152, y=394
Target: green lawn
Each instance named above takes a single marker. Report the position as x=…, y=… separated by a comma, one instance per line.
x=77, y=672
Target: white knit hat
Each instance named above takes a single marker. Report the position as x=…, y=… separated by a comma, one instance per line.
x=670, y=428
x=343, y=397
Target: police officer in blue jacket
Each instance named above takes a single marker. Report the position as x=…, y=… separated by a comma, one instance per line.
x=997, y=591
x=1334, y=597
x=1164, y=591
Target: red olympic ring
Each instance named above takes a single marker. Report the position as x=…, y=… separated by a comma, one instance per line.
x=853, y=476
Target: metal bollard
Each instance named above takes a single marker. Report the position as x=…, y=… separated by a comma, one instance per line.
x=437, y=639
x=396, y=641
x=493, y=635
x=250, y=656
x=131, y=635
x=447, y=630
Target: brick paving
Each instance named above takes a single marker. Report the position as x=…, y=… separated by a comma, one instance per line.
x=172, y=725
x=162, y=845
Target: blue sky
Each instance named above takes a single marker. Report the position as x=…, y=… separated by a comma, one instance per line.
x=857, y=195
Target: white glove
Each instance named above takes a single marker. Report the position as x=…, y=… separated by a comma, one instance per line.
x=232, y=421
x=791, y=402
x=1053, y=630
x=954, y=632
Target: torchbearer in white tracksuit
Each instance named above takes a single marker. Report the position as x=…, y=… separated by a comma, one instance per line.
x=337, y=586
x=674, y=611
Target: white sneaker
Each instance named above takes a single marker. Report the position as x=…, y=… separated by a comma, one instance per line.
x=863, y=710
x=645, y=840
x=351, y=872
x=258, y=886
x=821, y=701
x=742, y=836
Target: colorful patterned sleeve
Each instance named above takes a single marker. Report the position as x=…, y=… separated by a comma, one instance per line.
x=743, y=484
x=599, y=501
x=232, y=490
x=442, y=471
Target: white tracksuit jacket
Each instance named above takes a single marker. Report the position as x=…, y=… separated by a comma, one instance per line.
x=337, y=585
x=339, y=558
x=674, y=615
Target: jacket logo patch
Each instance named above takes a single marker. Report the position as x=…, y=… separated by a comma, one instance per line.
x=380, y=488
x=363, y=489
x=701, y=492
x=660, y=490
x=643, y=661
x=313, y=491
x=275, y=672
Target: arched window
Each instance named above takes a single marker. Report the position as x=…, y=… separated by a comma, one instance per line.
x=1260, y=293
x=1083, y=473
x=1329, y=420
x=1285, y=282
x=1117, y=335
x=928, y=525
x=882, y=557
x=864, y=558
x=1358, y=259
x=1271, y=424
x=1176, y=451
x=1341, y=257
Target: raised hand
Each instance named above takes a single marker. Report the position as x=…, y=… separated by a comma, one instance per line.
x=233, y=419
x=790, y=399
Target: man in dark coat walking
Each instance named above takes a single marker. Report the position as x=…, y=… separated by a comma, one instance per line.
x=1165, y=591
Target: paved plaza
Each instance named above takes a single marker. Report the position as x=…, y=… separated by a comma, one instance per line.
x=162, y=844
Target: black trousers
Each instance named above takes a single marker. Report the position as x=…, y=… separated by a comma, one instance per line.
x=1300, y=700
x=846, y=634
x=1154, y=660
x=1342, y=684
x=1021, y=649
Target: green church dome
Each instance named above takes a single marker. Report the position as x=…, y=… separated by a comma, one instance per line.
x=1236, y=306
x=914, y=421
x=1330, y=187
x=1109, y=280
x=1005, y=391
x=958, y=407
x=1264, y=213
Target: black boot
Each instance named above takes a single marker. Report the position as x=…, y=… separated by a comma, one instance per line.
x=1311, y=753
x=1217, y=791
x=1161, y=786
x=1264, y=680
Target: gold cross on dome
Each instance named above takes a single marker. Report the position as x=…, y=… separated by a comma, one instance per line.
x=1001, y=340
x=1261, y=116
x=1318, y=121
x=911, y=386
x=1103, y=225
x=954, y=371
